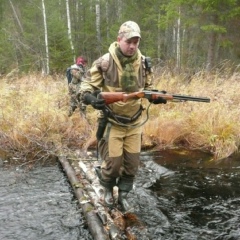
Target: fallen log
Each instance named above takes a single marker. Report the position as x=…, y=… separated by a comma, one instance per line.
x=94, y=224
x=117, y=225
x=112, y=229
x=95, y=191
x=128, y=225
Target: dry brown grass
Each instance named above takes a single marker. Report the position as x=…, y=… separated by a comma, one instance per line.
x=35, y=126
x=34, y=121
x=212, y=127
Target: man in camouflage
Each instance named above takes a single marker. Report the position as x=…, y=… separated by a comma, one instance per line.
x=122, y=69
x=77, y=73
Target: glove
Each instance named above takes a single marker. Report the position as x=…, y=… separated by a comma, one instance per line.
x=94, y=101
x=159, y=100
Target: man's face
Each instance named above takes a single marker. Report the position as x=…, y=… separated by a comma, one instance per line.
x=128, y=46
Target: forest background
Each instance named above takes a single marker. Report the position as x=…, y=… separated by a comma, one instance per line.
x=194, y=47
x=185, y=35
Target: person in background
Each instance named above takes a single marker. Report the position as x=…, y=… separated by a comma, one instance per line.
x=75, y=76
x=122, y=69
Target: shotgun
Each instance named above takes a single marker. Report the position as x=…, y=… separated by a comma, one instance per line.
x=111, y=97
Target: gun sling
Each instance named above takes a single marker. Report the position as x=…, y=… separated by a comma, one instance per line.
x=123, y=119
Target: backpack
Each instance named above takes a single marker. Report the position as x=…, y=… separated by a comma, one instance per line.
x=69, y=75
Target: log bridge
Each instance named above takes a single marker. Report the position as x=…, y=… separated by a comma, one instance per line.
x=103, y=223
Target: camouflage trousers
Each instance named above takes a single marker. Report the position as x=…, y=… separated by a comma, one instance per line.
x=74, y=104
x=74, y=100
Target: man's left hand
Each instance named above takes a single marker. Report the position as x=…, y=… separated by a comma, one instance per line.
x=159, y=100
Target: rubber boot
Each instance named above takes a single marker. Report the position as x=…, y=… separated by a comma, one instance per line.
x=122, y=200
x=82, y=111
x=108, y=188
x=108, y=197
x=71, y=110
x=125, y=185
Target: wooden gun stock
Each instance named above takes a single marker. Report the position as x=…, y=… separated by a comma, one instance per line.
x=111, y=97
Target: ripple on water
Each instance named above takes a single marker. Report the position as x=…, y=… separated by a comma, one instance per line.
x=177, y=197
x=39, y=205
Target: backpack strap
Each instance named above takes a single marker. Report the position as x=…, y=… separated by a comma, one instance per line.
x=103, y=63
x=69, y=75
x=148, y=64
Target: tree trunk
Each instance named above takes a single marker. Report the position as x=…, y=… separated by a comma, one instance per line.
x=69, y=29
x=16, y=16
x=98, y=25
x=159, y=38
x=117, y=226
x=178, y=45
x=107, y=20
x=211, y=50
x=94, y=223
x=212, y=45
x=46, y=62
x=119, y=9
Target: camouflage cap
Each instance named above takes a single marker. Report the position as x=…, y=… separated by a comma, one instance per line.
x=75, y=66
x=129, y=30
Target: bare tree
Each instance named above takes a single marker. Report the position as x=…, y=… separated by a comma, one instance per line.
x=119, y=9
x=16, y=16
x=107, y=18
x=45, y=69
x=159, y=38
x=69, y=28
x=178, y=41
x=98, y=24
x=212, y=37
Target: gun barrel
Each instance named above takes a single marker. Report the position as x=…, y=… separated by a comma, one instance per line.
x=191, y=98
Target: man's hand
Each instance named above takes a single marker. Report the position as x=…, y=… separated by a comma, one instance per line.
x=159, y=100
x=94, y=101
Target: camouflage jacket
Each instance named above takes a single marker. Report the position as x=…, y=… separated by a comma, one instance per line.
x=105, y=74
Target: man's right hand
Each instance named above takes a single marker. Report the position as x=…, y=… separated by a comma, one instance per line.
x=94, y=101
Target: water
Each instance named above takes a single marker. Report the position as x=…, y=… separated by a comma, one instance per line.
x=177, y=195
x=39, y=204
x=190, y=197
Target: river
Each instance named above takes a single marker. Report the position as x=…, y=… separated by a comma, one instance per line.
x=39, y=204
x=177, y=195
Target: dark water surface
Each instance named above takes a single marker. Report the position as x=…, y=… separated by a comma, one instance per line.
x=177, y=195
x=38, y=205
x=199, y=198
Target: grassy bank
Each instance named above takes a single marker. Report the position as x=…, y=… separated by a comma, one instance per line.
x=35, y=126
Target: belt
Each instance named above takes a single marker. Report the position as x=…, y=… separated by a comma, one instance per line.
x=125, y=120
